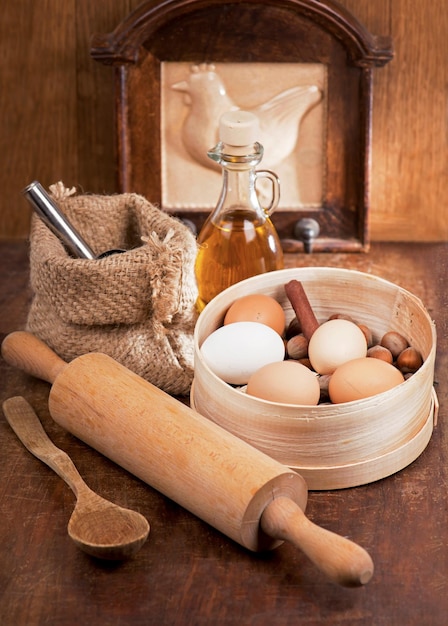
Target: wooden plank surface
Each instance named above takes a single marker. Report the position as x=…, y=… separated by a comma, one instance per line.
x=189, y=573
x=410, y=125
x=57, y=109
x=37, y=102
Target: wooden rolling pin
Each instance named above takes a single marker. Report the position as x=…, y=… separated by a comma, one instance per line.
x=237, y=489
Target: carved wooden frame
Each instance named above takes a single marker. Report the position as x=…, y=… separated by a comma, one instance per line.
x=244, y=31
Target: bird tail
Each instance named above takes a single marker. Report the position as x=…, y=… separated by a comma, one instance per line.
x=307, y=95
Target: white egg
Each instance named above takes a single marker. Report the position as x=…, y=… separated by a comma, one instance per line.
x=234, y=352
x=333, y=343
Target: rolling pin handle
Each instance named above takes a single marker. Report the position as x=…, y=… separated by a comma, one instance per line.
x=25, y=351
x=341, y=560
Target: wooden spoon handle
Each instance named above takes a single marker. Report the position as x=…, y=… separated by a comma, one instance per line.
x=25, y=351
x=343, y=561
x=25, y=423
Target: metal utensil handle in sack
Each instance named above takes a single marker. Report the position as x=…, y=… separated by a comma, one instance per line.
x=50, y=213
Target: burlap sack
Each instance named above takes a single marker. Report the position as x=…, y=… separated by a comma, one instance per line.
x=137, y=307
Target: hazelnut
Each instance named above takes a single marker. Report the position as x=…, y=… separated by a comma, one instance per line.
x=409, y=360
x=293, y=328
x=394, y=342
x=297, y=347
x=367, y=334
x=324, y=381
x=341, y=316
x=380, y=352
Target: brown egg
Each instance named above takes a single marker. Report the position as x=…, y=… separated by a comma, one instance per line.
x=259, y=308
x=362, y=378
x=287, y=382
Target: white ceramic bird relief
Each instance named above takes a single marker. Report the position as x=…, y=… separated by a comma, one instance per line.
x=207, y=99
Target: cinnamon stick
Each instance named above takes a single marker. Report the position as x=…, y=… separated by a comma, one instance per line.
x=302, y=307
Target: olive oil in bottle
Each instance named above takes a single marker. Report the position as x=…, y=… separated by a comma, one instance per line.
x=238, y=240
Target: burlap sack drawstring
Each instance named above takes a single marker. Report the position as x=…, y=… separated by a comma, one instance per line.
x=138, y=307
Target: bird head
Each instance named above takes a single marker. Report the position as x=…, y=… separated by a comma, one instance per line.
x=202, y=83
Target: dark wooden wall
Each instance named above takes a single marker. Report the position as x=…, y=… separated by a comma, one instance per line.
x=57, y=122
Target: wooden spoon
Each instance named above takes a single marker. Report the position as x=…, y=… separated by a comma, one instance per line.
x=97, y=526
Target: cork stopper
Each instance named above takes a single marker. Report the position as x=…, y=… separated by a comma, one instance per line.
x=238, y=130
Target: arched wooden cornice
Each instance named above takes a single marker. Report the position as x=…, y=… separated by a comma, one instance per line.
x=123, y=44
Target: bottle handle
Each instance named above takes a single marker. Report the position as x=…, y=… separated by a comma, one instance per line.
x=275, y=182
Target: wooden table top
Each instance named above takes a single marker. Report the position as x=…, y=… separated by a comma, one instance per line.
x=189, y=573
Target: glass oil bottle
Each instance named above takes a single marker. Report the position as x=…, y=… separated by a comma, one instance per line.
x=238, y=239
